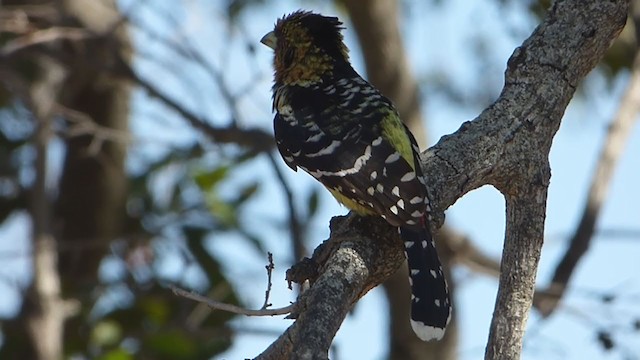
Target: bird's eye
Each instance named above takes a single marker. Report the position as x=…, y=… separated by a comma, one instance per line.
x=288, y=57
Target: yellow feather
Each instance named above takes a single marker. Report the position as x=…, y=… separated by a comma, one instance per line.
x=351, y=204
x=394, y=131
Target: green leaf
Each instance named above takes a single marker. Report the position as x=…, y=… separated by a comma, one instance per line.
x=208, y=180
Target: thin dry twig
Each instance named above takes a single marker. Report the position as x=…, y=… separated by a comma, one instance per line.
x=229, y=307
x=269, y=268
x=263, y=311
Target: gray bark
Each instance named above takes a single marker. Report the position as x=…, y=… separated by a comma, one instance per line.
x=506, y=146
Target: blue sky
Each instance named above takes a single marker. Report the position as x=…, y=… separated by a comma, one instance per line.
x=437, y=40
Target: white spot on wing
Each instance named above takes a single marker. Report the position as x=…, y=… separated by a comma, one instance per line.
x=392, y=158
x=315, y=137
x=408, y=176
x=416, y=200
x=325, y=150
x=357, y=165
x=395, y=191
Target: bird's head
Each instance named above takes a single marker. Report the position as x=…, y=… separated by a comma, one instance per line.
x=307, y=47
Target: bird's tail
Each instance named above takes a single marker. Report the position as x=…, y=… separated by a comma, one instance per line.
x=430, y=303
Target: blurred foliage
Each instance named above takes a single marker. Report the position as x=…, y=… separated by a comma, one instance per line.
x=130, y=313
x=150, y=323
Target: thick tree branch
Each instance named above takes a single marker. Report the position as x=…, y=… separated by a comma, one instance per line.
x=613, y=147
x=349, y=266
x=521, y=254
x=506, y=146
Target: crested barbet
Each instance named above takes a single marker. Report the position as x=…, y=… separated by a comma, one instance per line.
x=337, y=127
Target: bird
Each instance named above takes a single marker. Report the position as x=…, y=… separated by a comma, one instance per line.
x=337, y=127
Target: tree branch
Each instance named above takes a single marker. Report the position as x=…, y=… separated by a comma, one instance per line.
x=229, y=307
x=521, y=254
x=256, y=140
x=613, y=147
x=45, y=309
x=363, y=252
x=506, y=146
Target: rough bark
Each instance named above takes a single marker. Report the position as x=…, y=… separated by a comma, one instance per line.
x=617, y=136
x=506, y=146
x=349, y=266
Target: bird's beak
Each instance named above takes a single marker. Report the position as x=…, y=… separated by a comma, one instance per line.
x=270, y=40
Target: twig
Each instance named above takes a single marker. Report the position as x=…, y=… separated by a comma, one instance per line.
x=83, y=124
x=43, y=36
x=269, y=268
x=229, y=307
x=257, y=140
